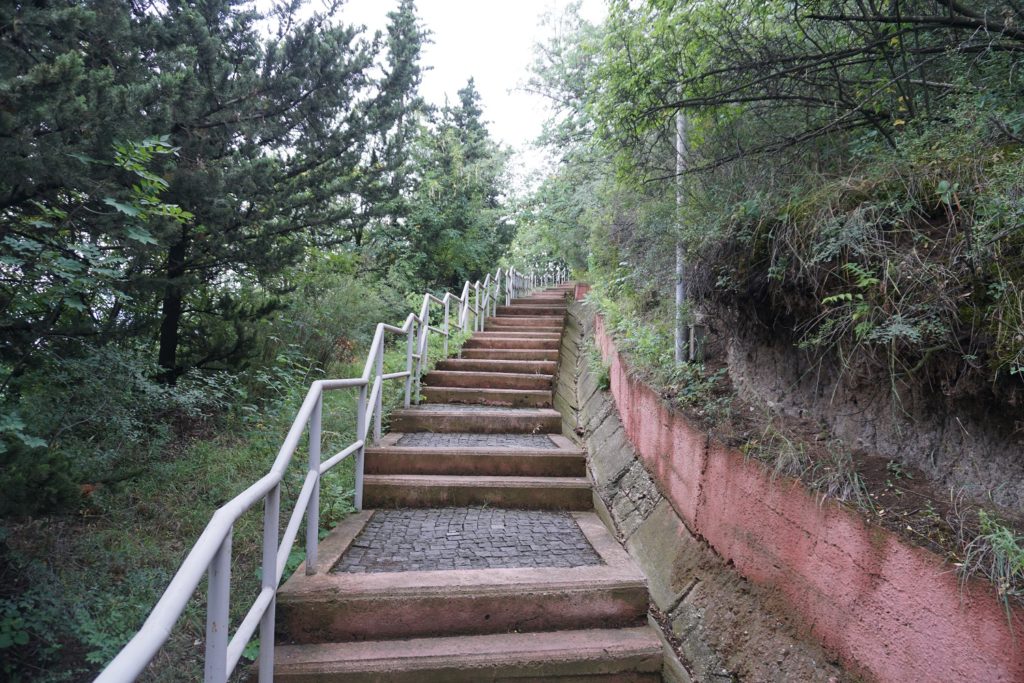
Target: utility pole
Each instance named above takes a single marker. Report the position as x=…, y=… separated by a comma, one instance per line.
x=681, y=338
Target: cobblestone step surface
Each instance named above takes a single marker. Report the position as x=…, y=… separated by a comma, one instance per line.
x=345, y=606
x=466, y=538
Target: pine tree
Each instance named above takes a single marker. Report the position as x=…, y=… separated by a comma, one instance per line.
x=273, y=144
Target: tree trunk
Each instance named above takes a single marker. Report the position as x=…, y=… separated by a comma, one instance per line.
x=171, y=311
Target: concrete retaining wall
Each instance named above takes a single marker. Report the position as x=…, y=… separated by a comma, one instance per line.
x=890, y=611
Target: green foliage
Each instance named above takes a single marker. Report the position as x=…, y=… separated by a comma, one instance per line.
x=240, y=140
x=35, y=480
x=996, y=553
x=648, y=344
x=455, y=230
x=598, y=368
x=850, y=183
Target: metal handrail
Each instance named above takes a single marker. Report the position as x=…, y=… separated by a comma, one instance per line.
x=211, y=553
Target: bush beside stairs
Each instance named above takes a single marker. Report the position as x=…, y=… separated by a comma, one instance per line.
x=575, y=624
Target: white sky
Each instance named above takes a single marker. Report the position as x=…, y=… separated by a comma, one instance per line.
x=490, y=40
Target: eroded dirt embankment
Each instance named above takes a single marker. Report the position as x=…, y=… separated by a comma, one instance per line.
x=742, y=566
x=958, y=440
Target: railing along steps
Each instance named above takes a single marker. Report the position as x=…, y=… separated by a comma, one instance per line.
x=464, y=447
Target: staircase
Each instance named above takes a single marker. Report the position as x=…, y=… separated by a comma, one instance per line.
x=483, y=560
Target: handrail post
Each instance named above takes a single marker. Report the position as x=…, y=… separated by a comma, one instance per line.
x=408, y=363
x=447, y=307
x=419, y=363
x=378, y=407
x=217, y=602
x=360, y=436
x=313, y=507
x=271, y=524
x=477, y=322
x=424, y=355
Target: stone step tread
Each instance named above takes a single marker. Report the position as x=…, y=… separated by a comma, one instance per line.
x=484, y=375
x=512, y=343
x=478, y=444
x=444, y=408
x=409, y=480
x=532, y=323
x=538, y=367
x=540, y=398
x=510, y=354
x=522, y=333
x=486, y=391
x=465, y=659
x=458, y=417
x=510, y=462
x=436, y=452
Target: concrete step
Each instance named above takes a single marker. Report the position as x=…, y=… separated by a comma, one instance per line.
x=503, y=328
x=390, y=457
x=524, y=321
x=532, y=310
x=552, y=298
x=510, y=354
x=344, y=607
x=433, y=490
x=477, y=419
x=504, y=342
x=489, y=380
x=628, y=655
x=516, y=333
x=540, y=367
x=515, y=398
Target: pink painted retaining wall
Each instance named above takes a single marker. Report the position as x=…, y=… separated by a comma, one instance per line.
x=891, y=611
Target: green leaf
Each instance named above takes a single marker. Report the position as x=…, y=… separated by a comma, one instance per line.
x=84, y=158
x=140, y=234
x=127, y=209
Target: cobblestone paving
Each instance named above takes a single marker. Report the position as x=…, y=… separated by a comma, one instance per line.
x=466, y=538
x=467, y=440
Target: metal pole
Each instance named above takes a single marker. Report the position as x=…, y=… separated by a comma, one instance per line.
x=271, y=523
x=447, y=306
x=313, y=507
x=360, y=436
x=680, y=334
x=477, y=322
x=408, y=364
x=219, y=596
x=378, y=408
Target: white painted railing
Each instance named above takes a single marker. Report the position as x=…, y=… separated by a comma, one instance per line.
x=212, y=552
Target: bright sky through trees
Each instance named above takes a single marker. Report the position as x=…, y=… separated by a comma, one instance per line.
x=490, y=40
